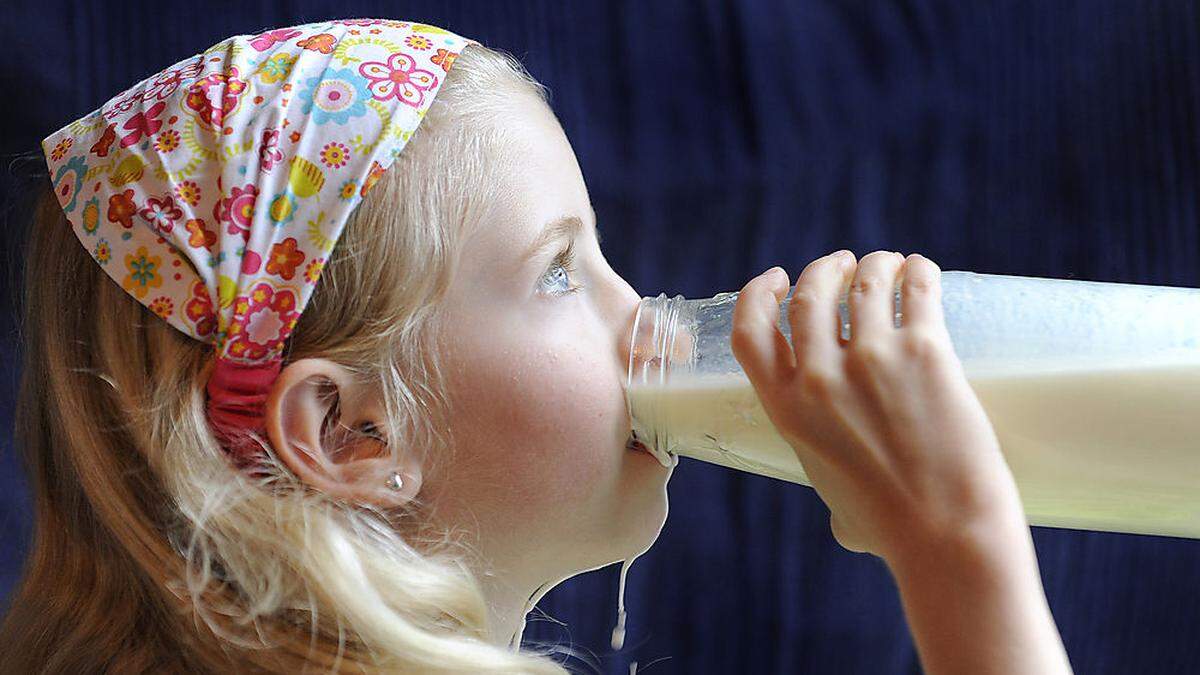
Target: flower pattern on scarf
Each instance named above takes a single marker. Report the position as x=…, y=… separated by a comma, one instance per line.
x=213, y=191
x=398, y=77
x=335, y=96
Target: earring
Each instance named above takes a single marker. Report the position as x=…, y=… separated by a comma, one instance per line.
x=395, y=482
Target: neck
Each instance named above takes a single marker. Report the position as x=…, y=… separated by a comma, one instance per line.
x=508, y=602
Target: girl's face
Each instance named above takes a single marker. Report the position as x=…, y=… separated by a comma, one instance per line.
x=536, y=348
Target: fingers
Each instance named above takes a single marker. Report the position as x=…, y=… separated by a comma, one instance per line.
x=757, y=343
x=921, y=294
x=872, y=296
x=813, y=310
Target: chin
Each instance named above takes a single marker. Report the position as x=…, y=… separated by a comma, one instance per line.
x=642, y=512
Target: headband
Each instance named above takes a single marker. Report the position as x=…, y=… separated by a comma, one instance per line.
x=214, y=190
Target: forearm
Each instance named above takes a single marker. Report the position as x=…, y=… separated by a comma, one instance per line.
x=979, y=607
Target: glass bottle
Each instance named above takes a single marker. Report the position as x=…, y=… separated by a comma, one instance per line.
x=1093, y=389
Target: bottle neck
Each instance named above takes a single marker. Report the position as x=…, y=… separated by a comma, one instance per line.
x=660, y=343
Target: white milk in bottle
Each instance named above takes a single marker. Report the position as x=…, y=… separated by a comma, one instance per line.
x=1093, y=390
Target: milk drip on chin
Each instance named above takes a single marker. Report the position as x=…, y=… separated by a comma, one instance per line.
x=617, y=640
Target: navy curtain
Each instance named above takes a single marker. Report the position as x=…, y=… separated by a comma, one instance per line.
x=1055, y=139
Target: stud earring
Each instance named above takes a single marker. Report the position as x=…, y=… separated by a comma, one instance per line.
x=395, y=482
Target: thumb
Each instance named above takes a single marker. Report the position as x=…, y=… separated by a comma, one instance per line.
x=755, y=339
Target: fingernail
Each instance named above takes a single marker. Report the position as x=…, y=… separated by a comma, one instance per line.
x=774, y=271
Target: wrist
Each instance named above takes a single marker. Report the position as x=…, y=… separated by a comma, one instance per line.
x=974, y=602
x=984, y=546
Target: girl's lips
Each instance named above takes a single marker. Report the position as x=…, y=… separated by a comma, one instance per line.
x=665, y=457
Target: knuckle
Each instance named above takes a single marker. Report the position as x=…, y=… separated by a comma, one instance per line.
x=803, y=298
x=920, y=284
x=817, y=382
x=742, y=335
x=739, y=336
x=866, y=355
x=867, y=283
x=924, y=345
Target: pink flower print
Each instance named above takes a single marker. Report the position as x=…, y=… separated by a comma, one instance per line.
x=262, y=321
x=161, y=213
x=264, y=41
x=142, y=124
x=60, y=150
x=199, y=309
x=169, y=80
x=268, y=153
x=121, y=209
x=214, y=97
x=100, y=147
x=335, y=155
x=237, y=210
x=123, y=105
x=199, y=235
x=251, y=263
x=399, y=77
x=284, y=258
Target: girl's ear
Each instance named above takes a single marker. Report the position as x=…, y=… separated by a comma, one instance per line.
x=323, y=427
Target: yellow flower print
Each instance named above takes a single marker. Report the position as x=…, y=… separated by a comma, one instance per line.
x=167, y=141
x=418, y=42
x=276, y=68
x=162, y=306
x=335, y=155
x=102, y=252
x=143, y=273
x=313, y=271
x=188, y=192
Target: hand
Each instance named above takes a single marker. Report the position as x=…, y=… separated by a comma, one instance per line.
x=886, y=426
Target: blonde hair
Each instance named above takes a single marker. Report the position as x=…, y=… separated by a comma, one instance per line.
x=150, y=552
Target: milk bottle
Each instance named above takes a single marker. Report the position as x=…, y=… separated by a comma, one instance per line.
x=1093, y=390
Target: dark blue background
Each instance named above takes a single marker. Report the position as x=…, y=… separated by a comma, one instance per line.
x=1038, y=138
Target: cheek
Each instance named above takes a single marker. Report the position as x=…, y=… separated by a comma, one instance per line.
x=541, y=425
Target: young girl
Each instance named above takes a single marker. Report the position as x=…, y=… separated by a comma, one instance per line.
x=237, y=468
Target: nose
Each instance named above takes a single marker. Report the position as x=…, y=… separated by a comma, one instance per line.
x=624, y=304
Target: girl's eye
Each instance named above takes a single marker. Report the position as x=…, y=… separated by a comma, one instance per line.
x=554, y=278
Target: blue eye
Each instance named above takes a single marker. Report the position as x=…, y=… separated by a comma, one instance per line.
x=560, y=270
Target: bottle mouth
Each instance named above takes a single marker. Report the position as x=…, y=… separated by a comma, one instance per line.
x=659, y=342
x=652, y=355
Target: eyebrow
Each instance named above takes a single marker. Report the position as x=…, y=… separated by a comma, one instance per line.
x=563, y=227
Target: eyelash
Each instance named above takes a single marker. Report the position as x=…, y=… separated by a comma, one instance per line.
x=566, y=260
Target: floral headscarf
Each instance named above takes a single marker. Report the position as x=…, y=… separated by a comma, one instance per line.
x=214, y=190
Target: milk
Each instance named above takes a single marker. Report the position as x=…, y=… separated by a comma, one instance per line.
x=1095, y=445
